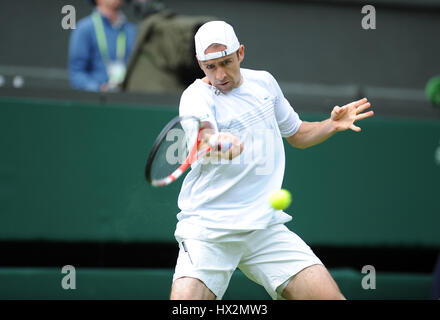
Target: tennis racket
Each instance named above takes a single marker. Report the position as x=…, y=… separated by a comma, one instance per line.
x=178, y=145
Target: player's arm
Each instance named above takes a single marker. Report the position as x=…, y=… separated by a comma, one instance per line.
x=210, y=137
x=192, y=104
x=311, y=133
x=341, y=119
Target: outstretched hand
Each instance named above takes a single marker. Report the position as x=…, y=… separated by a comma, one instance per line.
x=344, y=117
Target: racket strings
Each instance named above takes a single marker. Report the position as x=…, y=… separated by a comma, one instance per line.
x=175, y=148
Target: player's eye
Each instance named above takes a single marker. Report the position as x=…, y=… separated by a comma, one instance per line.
x=209, y=66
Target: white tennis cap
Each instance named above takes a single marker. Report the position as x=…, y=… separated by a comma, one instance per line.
x=215, y=32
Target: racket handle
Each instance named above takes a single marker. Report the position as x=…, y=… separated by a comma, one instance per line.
x=225, y=146
x=222, y=146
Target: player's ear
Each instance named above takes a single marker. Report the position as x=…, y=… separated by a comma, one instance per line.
x=240, y=53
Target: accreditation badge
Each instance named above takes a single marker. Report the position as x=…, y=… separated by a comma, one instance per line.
x=116, y=73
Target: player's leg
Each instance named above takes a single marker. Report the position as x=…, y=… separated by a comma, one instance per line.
x=312, y=283
x=187, y=288
x=203, y=269
x=285, y=265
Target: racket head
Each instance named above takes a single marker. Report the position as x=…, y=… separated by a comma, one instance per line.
x=171, y=149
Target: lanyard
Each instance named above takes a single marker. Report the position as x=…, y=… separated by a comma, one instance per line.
x=102, y=40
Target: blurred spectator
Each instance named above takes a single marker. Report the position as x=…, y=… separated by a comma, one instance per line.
x=100, y=47
x=144, y=8
x=163, y=59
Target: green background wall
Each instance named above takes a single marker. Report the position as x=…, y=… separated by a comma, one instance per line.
x=74, y=172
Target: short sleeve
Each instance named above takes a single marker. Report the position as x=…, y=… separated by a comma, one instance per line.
x=288, y=120
x=197, y=104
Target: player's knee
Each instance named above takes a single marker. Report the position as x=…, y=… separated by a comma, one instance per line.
x=313, y=283
x=187, y=288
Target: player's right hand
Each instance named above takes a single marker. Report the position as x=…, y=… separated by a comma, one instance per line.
x=230, y=146
x=225, y=145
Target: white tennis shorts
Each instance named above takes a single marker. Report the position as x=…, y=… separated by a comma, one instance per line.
x=270, y=257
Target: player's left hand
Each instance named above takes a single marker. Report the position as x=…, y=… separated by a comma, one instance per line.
x=344, y=117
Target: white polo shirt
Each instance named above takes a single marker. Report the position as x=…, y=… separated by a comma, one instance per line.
x=234, y=194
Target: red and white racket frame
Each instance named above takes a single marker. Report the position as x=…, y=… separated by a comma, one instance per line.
x=193, y=155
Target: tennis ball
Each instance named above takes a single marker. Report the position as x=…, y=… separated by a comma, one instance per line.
x=433, y=90
x=280, y=200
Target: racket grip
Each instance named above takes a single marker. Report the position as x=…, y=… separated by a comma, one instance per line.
x=225, y=146
x=213, y=140
x=222, y=146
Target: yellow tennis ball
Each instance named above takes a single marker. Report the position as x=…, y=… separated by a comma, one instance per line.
x=280, y=200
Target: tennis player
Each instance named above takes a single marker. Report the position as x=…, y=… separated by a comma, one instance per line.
x=226, y=220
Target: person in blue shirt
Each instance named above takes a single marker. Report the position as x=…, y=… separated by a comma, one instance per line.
x=100, y=47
